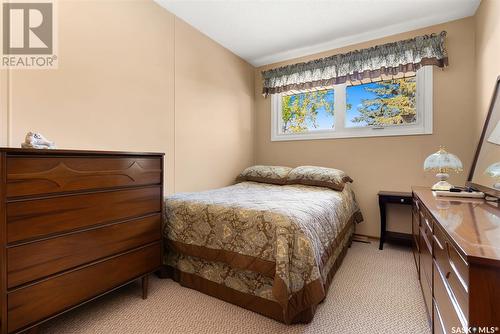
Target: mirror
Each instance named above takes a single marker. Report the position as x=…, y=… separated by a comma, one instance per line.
x=485, y=172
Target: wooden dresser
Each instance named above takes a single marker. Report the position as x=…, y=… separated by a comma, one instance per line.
x=456, y=244
x=74, y=225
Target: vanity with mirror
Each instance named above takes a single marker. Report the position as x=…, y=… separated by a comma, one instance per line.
x=485, y=172
x=456, y=243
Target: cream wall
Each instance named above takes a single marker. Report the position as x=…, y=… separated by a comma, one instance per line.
x=487, y=26
x=388, y=163
x=133, y=77
x=214, y=112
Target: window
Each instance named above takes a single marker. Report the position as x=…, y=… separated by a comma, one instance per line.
x=307, y=112
x=393, y=107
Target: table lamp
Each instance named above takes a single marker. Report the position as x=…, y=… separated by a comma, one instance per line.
x=442, y=163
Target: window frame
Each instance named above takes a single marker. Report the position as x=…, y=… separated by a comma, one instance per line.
x=422, y=127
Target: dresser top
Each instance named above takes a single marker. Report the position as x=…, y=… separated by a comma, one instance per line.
x=472, y=224
x=28, y=151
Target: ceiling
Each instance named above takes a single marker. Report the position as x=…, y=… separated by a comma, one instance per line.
x=267, y=31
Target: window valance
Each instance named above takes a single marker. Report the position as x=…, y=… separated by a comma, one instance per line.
x=382, y=60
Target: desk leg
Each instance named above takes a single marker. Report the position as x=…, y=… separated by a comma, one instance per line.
x=382, y=224
x=145, y=283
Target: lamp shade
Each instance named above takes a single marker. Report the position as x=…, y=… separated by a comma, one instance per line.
x=493, y=170
x=443, y=162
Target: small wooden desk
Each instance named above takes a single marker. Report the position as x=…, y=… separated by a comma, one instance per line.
x=393, y=197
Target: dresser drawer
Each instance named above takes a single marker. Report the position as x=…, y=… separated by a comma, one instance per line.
x=415, y=229
x=446, y=303
x=416, y=252
x=459, y=265
x=426, y=234
x=39, y=301
x=426, y=259
x=452, y=266
x=35, y=218
x=439, y=327
x=38, y=259
x=41, y=175
x=425, y=262
x=398, y=199
x=440, y=252
x=450, y=255
x=427, y=293
x=415, y=221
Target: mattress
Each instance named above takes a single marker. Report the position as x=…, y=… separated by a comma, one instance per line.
x=276, y=244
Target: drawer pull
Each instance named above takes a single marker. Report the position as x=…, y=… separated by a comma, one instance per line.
x=459, y=276
x=428, y=225
x=440, y=318
x=438, y=242
x=448, y=275
x=426, y=240
x=455, y=270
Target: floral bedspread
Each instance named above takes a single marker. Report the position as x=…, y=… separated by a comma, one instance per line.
x=288, y=233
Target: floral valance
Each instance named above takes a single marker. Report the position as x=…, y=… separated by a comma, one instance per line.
x=382, y=60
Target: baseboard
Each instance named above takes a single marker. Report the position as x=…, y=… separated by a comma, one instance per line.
x=366, y=236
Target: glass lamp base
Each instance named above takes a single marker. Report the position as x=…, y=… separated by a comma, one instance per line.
x=442, y=185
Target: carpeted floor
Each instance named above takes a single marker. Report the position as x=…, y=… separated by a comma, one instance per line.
x=373, y=292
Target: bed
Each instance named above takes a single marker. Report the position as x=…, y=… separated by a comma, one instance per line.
x=269, y=248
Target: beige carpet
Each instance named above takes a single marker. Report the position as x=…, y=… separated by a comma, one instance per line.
x=373, y=292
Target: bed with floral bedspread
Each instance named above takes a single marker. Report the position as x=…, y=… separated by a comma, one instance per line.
x=269, y=248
